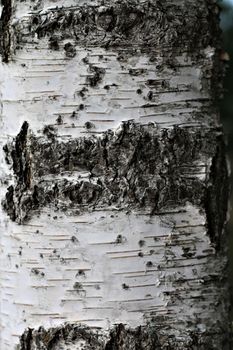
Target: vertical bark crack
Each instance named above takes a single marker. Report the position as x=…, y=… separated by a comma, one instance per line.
x=5, y=30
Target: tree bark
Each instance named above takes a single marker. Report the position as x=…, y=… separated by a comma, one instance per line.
x=114, y=179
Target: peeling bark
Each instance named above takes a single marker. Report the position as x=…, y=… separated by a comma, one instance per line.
x=114, y=179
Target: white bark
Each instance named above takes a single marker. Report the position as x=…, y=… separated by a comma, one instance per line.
x=156, y=260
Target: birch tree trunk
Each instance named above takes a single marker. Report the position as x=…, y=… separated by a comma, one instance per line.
x=114, y=181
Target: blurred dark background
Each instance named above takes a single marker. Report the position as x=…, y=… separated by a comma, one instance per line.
x=227, y=108
x=227, y=102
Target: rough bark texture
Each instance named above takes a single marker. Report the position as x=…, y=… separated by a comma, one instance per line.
x=114, y=180
x=119, y=171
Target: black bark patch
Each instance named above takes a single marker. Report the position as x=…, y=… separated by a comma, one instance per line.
x=21, y=164
x=156, y=24
x=137, y=167
x=140, y=338
x=5, y=32
x=19, y=155
x=70, y=50
x=107, y=19
x=9, y=203
x=53, y=338
x=27, y=339
x=96, y=76
x=54, y=43
x=217, y=194
x=120, y=337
